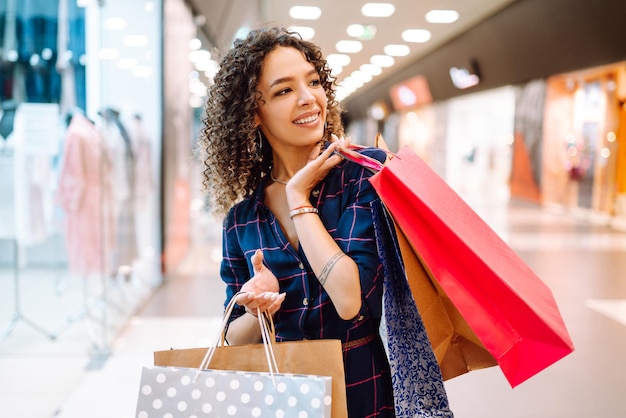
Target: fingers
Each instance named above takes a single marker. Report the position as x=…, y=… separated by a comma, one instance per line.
x=268, y=299
x=243, y=299
x=276, y=304
x=257, y=260
x=343, y=142
x=327, y=159
x=265, y=301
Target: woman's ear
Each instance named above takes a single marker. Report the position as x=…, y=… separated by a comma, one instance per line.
x=257, y=120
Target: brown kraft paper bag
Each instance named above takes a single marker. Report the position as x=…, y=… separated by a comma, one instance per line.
x=316, y=357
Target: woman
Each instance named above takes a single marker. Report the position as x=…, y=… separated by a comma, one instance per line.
x=298, y=233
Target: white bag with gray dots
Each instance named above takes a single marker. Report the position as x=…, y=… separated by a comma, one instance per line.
x=168, y=392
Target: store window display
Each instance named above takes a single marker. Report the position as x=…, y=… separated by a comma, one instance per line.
x=102, y=201
x=43, y=48
x=85, y=194
x=72, y=191
x=118, y=145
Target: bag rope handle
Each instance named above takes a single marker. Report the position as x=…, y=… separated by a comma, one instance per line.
x=268, y=335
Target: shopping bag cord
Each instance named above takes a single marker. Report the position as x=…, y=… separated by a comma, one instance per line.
x=268, y=336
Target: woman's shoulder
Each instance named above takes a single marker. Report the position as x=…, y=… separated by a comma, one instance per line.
x=243, y=211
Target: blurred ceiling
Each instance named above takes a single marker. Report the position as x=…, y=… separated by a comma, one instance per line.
x=221, y=20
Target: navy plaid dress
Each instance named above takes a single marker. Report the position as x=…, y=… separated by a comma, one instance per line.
x=344, y=200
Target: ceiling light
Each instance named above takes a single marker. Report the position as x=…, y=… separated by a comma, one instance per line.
x=361, y=76
x=115, y=23
x=397, y=50
x=12, y=55
x=343, y=90
x=195, y=44
x=378, y=111
x=382, y=60
x=338, y=60
x=203, y=66
x=212, y=70
x=416, y=35
x=363, y=32
x=305, y=12
x=306, y=32
x=378, y=9
x=371, y=69
x=355, y=30
x=135, y=40
x=442, y=16
x=351, y=83
x=349, y=47
x=126, y=63
x=143, y=71
x=242, y=32
x=335, y=71
x=199, y=56
x=108, y=54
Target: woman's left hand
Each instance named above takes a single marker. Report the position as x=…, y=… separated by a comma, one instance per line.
x=342, y=142
x=318, y=165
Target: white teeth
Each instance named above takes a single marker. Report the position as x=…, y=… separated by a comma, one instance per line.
x=306, y=120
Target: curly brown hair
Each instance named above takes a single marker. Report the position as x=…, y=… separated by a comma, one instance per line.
x=236, y=154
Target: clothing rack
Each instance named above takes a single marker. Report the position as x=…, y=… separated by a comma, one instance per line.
x=86, y=313
x=18, y=315
x=6, y=155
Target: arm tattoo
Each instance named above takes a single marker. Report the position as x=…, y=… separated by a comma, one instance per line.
x=329, y=266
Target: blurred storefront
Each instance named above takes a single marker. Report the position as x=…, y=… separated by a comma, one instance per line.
x=80, y=151
x=564, y=111
x=582, y=137
x=553, y=142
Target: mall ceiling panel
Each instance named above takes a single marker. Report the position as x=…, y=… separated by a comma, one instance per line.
x=220, y=21
x=225, y=18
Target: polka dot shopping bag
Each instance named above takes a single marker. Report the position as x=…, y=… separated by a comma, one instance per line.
x=181, y=392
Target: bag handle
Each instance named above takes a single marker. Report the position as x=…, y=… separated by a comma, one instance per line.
x=364, y=161
x=266, y=324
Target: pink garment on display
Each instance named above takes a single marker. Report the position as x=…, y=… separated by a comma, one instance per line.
x=84, y=192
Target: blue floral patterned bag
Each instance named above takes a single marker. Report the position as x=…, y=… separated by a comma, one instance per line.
x=416, y=377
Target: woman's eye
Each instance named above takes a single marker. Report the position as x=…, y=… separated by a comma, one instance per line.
x=283, y=91
x=316, y=82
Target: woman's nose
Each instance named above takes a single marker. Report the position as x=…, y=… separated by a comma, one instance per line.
x=305, y=97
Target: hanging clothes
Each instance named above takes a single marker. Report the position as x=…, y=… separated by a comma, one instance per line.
x=84, y=192
x=144, y=186
x=119, y=147
x=35, y=139
x=142, y=150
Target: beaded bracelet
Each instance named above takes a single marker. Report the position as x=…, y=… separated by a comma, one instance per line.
x=302, y=209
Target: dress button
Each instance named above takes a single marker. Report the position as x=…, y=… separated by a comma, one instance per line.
x=315, y=193
x=360, y=318
x=305, y=301
x=301, y=266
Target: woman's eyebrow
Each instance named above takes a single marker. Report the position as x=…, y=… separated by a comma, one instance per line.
x=285, y=79
x=280, y=80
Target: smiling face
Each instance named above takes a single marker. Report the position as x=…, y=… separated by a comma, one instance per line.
x=291, y=100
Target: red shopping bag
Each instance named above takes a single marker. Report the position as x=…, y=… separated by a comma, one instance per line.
x=508, y=307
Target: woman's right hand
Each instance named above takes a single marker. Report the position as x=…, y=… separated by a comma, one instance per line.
x=261, y=291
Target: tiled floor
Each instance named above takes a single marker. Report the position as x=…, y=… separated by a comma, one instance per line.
x=583, y=263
